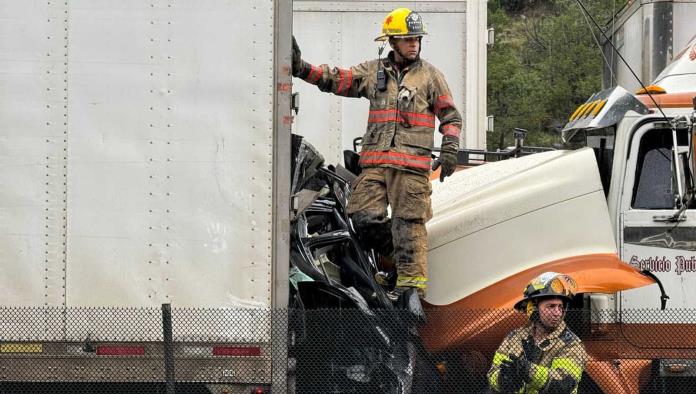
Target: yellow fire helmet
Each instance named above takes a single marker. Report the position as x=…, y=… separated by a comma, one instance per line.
x=402, y=22
x=546, y=285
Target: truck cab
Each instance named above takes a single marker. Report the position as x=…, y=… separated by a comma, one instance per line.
x=636, y=140
x=644, y=147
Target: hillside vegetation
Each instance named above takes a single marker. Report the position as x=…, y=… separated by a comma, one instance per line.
x=545, y=62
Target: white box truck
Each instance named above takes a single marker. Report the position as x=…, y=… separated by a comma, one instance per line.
x=144, y=149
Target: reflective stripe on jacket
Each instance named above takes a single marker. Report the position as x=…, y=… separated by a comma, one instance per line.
x=401, y=121
x=563, y=358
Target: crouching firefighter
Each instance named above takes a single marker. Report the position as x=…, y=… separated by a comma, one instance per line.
x=544, y=356
x=406, y=94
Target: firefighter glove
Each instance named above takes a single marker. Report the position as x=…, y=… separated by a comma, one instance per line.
x=521, y=366
x=448, y=156
x=297, y=64
x=508, y=379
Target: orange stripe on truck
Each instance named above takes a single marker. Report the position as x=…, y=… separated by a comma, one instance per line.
x=669, y=100
x=451, y=326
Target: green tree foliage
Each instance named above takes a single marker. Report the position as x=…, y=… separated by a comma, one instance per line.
x=545, y=62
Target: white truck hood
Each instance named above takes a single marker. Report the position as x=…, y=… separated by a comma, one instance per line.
x=501, y=218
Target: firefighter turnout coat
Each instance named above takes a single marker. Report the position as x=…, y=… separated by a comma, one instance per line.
x=401, y=121
x=559, y=367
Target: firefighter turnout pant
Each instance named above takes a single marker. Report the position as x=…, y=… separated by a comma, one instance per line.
x=408, y=195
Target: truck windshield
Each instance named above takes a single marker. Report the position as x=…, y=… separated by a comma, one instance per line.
x=654, y=186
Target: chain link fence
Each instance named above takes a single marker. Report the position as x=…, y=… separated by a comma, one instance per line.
x=164, y=350
x=139, y=350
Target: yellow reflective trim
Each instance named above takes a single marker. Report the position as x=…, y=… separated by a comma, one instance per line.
x=498, y=358
x=493, y=379
x=413, y=278
x=412, y=281
x=21, y=348
x=599, y=107
x=568, y=365
x=541, y=376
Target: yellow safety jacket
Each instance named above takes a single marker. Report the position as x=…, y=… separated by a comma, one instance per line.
x=561, y=363
x=401, y=122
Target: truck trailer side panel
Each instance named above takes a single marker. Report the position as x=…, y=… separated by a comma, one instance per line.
x=137, y=154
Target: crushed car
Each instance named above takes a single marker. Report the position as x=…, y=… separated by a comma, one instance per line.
x=346, y=333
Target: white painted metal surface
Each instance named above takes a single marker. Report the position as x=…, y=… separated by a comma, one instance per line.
x=684, y=13
x=666, y=249
x=672, y=260
x=522, y=204
x=32, y=153
x=136, y=147
x=341, y=33
x=631, y=47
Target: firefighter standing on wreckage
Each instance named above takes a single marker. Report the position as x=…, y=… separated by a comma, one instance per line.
x=406, y=93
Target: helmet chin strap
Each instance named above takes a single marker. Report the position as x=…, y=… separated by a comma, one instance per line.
x=404, y=60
